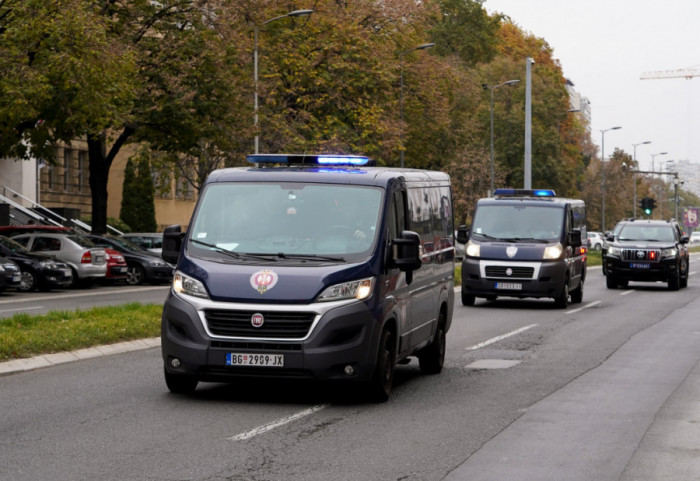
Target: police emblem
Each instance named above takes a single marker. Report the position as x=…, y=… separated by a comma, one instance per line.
x=263, y=280
x=511, y=251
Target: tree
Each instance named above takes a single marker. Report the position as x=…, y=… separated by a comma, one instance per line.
x=130, y=197
x=146, y=221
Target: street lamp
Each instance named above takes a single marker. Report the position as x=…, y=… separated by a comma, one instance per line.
x=662, y=188
x=634, y=175
x=602, y=176
x=652, y=159
x=401, y=55
x=492, y=88
x=256, y=28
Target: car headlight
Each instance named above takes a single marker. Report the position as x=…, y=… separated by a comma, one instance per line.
x=670, y=252
x=473, y=250
x=553, y=252
x=157, y=263
x=2, y=269
x=48, y=265
x=183, y=284
x=361, y=289
x=614, y=251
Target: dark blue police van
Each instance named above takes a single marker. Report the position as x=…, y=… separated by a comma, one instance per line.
x=310, y=267
x=525, y=243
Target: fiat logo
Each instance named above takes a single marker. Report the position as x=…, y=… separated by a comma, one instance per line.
x=257, y=320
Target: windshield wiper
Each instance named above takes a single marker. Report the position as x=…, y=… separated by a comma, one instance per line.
x=306, y=257
x=235, y=255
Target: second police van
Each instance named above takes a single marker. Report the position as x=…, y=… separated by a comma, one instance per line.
x=310, y=267
x=525, y=243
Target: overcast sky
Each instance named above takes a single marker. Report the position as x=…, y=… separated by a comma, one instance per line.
x=604, y=46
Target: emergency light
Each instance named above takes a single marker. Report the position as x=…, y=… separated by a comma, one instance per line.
x=525, y=192
x=301, y=159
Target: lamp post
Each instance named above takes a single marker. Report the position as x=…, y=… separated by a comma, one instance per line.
x=492, y=155
x=602, y=176
x=256, y=29
x=401, y=56
x=662, y=188
x=634, y=175
x=652, y=159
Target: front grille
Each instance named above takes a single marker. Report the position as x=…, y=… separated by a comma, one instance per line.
x=280, y=325
x=648, y=255
x=501, y=272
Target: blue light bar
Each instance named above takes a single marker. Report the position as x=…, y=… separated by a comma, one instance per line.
x=525, y=192
x=301, y=159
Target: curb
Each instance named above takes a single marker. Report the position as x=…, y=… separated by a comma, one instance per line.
x=48, y=360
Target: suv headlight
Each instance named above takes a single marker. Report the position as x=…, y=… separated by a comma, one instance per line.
x=183, y=284
x=553, y=252
x=361, y=289
x=473, y=250
x=670, y=252
x=614, y=251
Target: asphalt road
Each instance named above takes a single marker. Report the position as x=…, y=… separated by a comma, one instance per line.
x=605, y=390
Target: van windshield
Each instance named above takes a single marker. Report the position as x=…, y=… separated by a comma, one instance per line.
x=286, y=221
x=507, y=222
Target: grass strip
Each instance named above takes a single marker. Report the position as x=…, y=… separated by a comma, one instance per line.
x=24, y=335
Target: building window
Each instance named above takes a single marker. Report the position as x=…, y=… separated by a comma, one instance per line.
x=66, y=170
x=82, y=170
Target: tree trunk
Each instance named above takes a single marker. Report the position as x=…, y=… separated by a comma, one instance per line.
x=100, y=163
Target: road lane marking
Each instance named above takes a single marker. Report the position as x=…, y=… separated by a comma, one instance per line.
x=499, y=338
x=22, y=310
x=583, y=307
x=275, y=424
x=85, y=294
x=626, y=292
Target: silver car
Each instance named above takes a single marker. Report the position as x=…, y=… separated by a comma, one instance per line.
x=87, y=261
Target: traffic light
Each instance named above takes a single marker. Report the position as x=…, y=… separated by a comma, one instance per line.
x=648, y=204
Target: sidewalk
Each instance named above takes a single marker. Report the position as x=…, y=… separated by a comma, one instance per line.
x=47, y=360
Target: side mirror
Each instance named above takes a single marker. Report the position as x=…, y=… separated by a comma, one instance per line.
x=172, y=243
x=575, y=238
x=685, y=239
x=406, y=251
x=463, y=234
x=609, y=236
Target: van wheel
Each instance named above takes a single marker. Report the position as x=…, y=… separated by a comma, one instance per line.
x=379, y=387
x=577, y=294
x=562, y=300
x=432, y=357
x=467, y=299
x=180, y=383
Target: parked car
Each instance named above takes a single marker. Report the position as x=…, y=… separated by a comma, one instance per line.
x=152, y=241
x=38, y=271
x=595, y=241
x=116, y=266
x=87, y=261
x=10, y=274
x=695, y=237
x=143, y=265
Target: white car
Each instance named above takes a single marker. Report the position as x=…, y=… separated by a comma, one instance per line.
x=695, y=237
x=595, y=241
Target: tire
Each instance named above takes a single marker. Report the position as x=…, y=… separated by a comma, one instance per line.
x=562, y=300
x=29, y=281
x=577, y=294
x=135, y=275
x=611, y=282
x=467, y=299
x=674, y=281
x=180, y=383
x=432, y=357
x=379, y=387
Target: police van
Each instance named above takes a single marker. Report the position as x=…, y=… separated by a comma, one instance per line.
x=310, y=267
x=525, y=243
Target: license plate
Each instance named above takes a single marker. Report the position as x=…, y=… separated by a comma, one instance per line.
x=67, y=272
x=17, y=278
x=271, y=360
x=640, y=265
x=511, y=286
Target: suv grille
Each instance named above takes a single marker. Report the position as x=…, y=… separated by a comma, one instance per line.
x=516, y=272
x=649, y=255
x=283, y=325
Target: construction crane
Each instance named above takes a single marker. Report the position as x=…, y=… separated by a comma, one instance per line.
x=687, y=73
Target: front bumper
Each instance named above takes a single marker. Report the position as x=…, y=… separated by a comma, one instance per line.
x=342, y=335
x=487, y=278
x=642, y=271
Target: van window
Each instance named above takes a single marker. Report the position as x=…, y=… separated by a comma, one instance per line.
x=518, y=222
x=287, y=219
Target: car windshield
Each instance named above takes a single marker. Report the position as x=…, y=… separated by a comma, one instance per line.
x=12, y=245
x=510, y=222
x=632, y=232
x=286, y=221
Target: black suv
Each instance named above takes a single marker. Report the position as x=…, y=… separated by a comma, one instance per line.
x=647, y=251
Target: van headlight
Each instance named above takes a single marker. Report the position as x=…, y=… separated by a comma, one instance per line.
x=553, y=252
x=183, y=284
x=473, y=250
x=361, y=289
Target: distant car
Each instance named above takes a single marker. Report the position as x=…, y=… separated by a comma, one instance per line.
x=116, y=266
x=87, y=261
x=39, y=271
x=10, y=274
x=595, y=241
x=152, y=241
x=143, y=265
x=695, y=237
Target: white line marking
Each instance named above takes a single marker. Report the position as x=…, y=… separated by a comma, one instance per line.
x=63, y=295
x=626, y=292
x=499, y=338
x=583, y=307
x=275, y=424
x=23, y=309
